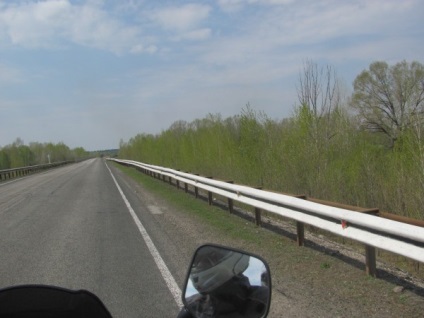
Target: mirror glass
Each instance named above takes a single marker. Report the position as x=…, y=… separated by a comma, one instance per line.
x=227, y=283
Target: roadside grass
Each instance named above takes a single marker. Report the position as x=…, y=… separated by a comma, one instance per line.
x=243, y=232
x=227, y=224
x=291, y=265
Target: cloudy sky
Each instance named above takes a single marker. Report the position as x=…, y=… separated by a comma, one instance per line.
x=90, y=72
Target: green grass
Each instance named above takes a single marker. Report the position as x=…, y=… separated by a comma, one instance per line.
x=232, y=227
x=221, y=220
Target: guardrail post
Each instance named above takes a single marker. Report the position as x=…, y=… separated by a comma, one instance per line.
x=196, y=189
x=370, y=261
x=186, y=185
x=177, y=181
x=209, y=194
x=231, y=206
x=300, y=227
x=230, y=201
x=258, y=220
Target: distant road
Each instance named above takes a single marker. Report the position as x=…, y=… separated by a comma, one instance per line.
x=71, y=227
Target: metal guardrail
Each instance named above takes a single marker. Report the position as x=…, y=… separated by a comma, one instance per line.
x=371, y=230
x=8, y=174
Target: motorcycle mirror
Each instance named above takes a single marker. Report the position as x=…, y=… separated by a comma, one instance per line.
x=225, y=282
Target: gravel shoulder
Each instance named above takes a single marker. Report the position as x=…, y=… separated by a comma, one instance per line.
x=321, y=279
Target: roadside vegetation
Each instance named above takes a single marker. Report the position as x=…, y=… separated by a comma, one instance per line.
x=317, y=275
x=365, y=150
x=18, y=154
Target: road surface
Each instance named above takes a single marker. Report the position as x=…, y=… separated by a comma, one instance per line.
x=71, y=227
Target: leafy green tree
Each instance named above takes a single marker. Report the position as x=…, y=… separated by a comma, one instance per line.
x=4, y=160
x=19, y=154
x=390, y=99
x=79, y=153
x=39, y=152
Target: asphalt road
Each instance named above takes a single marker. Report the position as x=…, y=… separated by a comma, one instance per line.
x=71, y=227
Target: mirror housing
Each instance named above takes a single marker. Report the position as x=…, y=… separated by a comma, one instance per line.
x=226, y=282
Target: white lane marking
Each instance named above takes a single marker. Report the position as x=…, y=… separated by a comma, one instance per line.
x=166, y=274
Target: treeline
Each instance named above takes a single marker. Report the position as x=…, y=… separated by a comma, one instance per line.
x=324, y=150
x=18, y=154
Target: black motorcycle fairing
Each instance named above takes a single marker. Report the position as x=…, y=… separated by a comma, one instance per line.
x=33, y=301
x=184, y=313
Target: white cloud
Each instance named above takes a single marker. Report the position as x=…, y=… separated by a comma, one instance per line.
x=236, y=5
x=231, y=5
x=50, y=23
x=32, y=24
x=95, y=28
x=195, y=35
x=309, y=28
x=181, y=18
x=139, y=48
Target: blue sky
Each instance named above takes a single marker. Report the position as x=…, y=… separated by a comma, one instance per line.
x=90, y=72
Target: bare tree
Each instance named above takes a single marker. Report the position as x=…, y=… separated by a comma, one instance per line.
x=390, y=99
x=318, y=89
x=320, y=97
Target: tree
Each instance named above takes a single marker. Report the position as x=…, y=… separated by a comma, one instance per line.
x=320, y=96
x=317, y=120
x=390, y=99
x=318, y=89
x=80, y=153
x=4, y=159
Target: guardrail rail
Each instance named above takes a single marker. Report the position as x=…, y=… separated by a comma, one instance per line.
x=399, y=235
x=8, y=174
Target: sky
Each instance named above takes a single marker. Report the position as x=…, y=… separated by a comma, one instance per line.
x=90, y=73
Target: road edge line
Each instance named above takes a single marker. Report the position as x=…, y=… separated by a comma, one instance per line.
x=166, y=274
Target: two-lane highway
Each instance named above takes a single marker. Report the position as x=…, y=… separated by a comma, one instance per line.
x=71, y=227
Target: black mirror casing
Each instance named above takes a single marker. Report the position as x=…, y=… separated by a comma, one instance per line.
x=227, y=282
